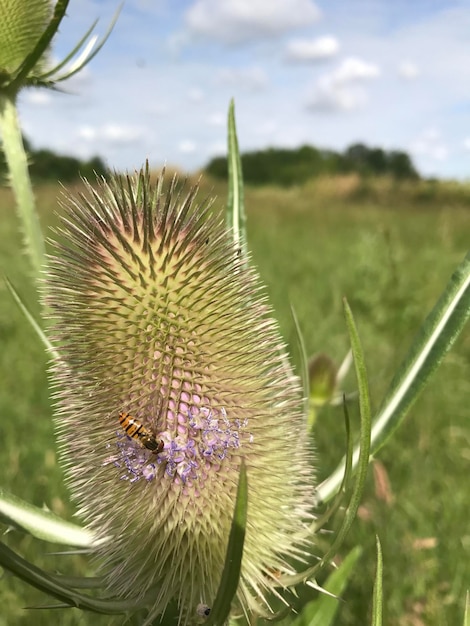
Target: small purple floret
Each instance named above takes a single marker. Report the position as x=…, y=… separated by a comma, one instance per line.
x=203, y=436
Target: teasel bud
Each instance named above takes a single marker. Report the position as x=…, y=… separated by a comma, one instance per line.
x=22, y=24
x=171, y=372
x=26, y=33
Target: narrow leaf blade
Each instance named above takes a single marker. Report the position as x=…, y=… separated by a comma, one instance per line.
x=364, y=437
x=323, y=610
x=235, y=217
x=40, y=523
x=89, y=55
x=364, y=451
x=233, y=559
x=378, y=591
x=302, y=351
x=29, y=316
x=52, y=585
x=435, y=338
x=70, y=55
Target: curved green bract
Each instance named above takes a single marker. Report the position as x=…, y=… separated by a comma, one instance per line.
x=87, y=55
x=41, y=523
x=70, y=55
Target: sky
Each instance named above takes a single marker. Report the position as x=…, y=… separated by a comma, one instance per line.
x=388, y=73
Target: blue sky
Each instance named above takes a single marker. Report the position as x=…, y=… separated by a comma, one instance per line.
x=394, y=74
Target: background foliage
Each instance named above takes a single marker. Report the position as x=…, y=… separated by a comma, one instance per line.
x=389, y=247
x=278, y=166
x=46, y=165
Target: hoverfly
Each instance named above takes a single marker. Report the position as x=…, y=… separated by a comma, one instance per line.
x=137, y=431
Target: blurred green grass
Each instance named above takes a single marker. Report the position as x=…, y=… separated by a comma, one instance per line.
x=390, y=249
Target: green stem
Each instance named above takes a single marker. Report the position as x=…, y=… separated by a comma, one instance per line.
x=20, y=181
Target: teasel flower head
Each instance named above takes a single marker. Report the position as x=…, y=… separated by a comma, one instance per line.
x=171, y=372
x=26, y=33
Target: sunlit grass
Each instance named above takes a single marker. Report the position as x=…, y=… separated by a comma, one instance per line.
x=390, y=249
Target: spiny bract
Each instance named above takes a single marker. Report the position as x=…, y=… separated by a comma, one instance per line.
x=21, y=25
x=156, y=315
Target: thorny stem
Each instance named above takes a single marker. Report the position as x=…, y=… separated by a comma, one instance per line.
x=12, y=143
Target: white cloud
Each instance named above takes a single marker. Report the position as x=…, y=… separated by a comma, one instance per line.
x=339, y=90
x=217, y=148
x=217, y=119
x=89, y=133
x=408, y=70
x=38, y=97
x=267, y=128
x=111, y=133
x=329, y=96
x=196, y=94
x=311, y=50
x=157, y=98
x=248, y=78
x=430, y=144
x=354, y=69
x=187, y=146
x=239, y=21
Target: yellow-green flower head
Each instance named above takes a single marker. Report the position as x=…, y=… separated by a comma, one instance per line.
x=27, y=28
x=21, y=25
x=172, y=371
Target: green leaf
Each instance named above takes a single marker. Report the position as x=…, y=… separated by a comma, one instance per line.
x=338, y=499
x=233, y=559
x=378, y=591
x=29, y=316
x=41, y=523
x=364, y=437
x=466, y=617
x=235, y=216
x=435, y=338
x=363, y=460
x=53, y=586
x=344, y=369
x=303, y=360
x=81, y=582
x=322, y=611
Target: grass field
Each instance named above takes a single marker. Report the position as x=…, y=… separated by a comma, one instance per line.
x=390, y=249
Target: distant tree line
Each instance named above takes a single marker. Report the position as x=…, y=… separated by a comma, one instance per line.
x=290, y=167
x=46, y=165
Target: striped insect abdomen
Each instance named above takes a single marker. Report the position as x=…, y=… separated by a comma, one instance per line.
x=136, y=430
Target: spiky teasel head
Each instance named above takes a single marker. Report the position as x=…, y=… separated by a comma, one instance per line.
x=171, y=372
x=26, y=33
x=21, y=25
